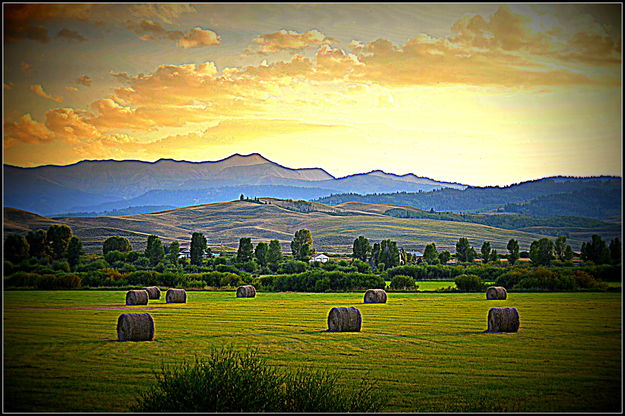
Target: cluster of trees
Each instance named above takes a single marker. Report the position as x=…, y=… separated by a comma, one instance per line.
x=57, y=243
x=54, y=258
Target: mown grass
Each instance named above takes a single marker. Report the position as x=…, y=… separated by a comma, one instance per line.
x=427, y=351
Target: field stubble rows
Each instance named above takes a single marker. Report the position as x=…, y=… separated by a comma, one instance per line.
x=427, y=351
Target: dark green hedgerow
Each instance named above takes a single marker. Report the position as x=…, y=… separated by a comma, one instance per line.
x=232, y=381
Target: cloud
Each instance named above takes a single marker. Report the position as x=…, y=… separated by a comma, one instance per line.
x=71, y=125
x=22, y=21
x=167, y=13
x=195, y=38
x=287, y=40
x=198, y=38
x=27, y=130
x=84, y=80
x=38, y=89
x=70, y=35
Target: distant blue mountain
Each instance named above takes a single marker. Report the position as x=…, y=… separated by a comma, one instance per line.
x=594, y=197
x=107, y=185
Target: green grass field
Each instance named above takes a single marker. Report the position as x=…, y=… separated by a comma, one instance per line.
x=427, y=351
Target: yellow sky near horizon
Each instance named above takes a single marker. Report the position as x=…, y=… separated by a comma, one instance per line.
x=482, y=94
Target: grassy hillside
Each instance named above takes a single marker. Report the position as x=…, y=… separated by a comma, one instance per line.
x=334, y=228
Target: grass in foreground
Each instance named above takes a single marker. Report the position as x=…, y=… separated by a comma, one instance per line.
x=426, y=352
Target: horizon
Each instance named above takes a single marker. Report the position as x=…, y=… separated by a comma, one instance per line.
x=335, y=177
x=482, y=94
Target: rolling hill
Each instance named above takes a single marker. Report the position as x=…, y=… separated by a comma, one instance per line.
x=334, y=228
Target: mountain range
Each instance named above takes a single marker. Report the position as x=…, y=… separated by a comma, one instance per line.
x=106, y=185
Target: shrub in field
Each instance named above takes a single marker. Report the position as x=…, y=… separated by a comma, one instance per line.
x=227, y=268
x=362, y=267
x=93, y=266
x=401, y=281
x=114, y=256
x=61, y=265
x=266, y=282
x=22, y=279
x=292, y=267
x=231, y=381
x=143, y=278
x=59, y=281
x=469, y=283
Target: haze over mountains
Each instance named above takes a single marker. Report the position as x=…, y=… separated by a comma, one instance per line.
x=96, y=186
x=110, y=188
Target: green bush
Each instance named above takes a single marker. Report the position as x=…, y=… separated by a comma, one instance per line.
x=59, y=281
x=292, y=267
x=401, y=281
x=115, y=256
x=469, y=283
x=22, y=279
x=231, y=381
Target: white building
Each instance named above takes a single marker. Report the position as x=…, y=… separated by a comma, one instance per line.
x=321, y=258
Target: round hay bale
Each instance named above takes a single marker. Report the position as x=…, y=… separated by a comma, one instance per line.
x=375, y=296
x=153, y=292
x=135, y=327
x=503, y=320
x=247, y=291
x=176, y=296
x=342, y=319
x=496, y=293
x=137, y=297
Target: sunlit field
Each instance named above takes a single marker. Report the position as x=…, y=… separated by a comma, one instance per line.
x=427, y=351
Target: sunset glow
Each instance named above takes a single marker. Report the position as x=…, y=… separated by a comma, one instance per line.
x=482, y=94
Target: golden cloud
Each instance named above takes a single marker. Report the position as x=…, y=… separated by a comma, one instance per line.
x=195, y=38
x=38, y=89
x=287, y=40
x=198, y=38
x=27, y=130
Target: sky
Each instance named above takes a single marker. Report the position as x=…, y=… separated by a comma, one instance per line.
x=481, y=94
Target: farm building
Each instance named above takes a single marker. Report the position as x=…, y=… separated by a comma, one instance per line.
x=321, y=258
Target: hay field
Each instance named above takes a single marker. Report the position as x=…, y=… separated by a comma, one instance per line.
x=427, y=351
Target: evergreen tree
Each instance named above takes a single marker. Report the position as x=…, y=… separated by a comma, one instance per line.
x=174, y=251
x=16, y=248
x=261, y=251
x=362, y=248
x=154, y=251
x=615, y=251
x=74, y=250
x=198, y=247
x=37, y=243
x=274, y=254
x=595, y=250
x=562, y=250
x=541, y=252
x=464, y=251
x=513, y=251
x=57, y=238
x=302, y=237
x=430, y=255
x=444, y=256
x=245, y=252
x=389, y=253
x=485, y=252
